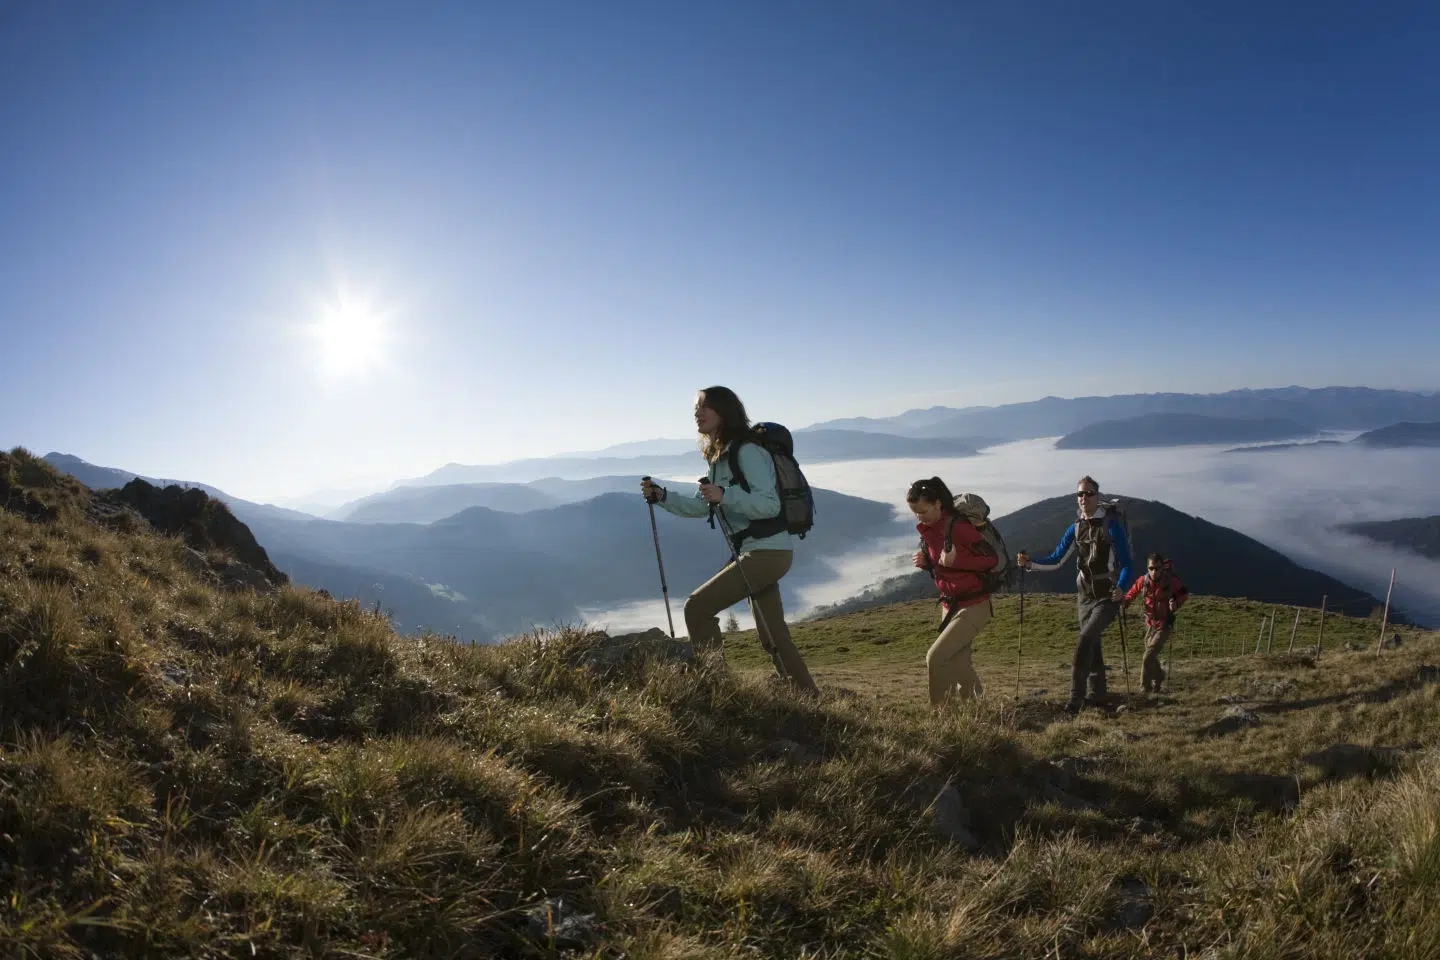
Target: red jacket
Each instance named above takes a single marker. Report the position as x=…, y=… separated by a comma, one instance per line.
x=972, y=556
x=1158, y=594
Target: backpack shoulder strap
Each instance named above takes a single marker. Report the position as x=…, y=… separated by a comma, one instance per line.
x=950, y=532
x=733, y=455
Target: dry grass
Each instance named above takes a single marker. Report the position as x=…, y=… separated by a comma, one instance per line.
x=186, y=772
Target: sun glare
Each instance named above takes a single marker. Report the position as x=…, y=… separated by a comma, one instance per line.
x=350, y=337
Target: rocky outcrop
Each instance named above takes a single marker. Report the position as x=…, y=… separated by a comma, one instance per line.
x=206, y=524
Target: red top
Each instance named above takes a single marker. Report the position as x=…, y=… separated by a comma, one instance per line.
x=972, y=556
x=1158, y=594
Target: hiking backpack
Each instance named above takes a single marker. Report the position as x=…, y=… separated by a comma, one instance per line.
x=1116, y=508
x=797, y=502
x=973, y=509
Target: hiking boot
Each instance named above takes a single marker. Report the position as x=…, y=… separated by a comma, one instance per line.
x=1073, y=707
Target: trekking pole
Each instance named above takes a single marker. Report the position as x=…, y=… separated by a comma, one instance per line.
x=762, y=629
x=1020, y=639
x=664, y=587
x=1124, y=652
x=1170, y=657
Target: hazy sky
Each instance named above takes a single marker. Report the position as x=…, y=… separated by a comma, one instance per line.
x=275, y=246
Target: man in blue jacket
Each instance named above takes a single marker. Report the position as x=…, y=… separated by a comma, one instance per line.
x=1103, y=561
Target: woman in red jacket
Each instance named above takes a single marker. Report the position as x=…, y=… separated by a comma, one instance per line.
x=956, y=572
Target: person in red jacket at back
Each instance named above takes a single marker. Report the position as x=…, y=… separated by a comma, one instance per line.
x=1164, y=594
x=966, y=601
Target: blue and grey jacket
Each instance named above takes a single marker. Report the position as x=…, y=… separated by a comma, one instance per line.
x=1103, y=554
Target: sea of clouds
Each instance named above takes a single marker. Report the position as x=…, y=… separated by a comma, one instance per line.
x=1290, y=499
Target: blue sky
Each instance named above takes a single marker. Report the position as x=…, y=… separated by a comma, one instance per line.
x=544, y=225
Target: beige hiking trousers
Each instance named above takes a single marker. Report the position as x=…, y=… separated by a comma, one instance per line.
x=763, y=568
x=950, y=662
x=1152, y=675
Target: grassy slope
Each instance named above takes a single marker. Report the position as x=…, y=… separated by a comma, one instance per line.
x=886, y=645
x=185, y=772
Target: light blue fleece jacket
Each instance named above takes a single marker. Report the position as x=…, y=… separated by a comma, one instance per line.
x=740, y=507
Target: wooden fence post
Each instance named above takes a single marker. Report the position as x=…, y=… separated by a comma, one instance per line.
x=1292, y=631
x=1320, y=639
x=1385, y=621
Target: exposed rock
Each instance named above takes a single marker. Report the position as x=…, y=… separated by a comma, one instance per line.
x=206, y=524
x=1268, y=791
x=1135, y=903
x=1345, y=760
x=176, y=674
x=553, y=922
x=1064, y=799
x=604, y=653
x=941, y=804
x=195, y=561
x=235, y=575
x=1234, y=718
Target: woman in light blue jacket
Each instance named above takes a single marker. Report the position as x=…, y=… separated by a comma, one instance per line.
x=755, y=520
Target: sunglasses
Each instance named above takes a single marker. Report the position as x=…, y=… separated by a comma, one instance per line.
x=1087, y=493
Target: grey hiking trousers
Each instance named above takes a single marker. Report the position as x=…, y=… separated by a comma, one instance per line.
x=763, y=568
x=1095, y=616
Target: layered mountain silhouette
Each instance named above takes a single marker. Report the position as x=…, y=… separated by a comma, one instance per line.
x=1179, y=429
x=1402, y=435
x=1335, y=408
x=483, y=573
x=1420, y=534
x=426, y=504
x=1212, y=560
x=813, y=445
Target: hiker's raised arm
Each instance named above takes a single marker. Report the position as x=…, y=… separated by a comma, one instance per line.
x=762, y=500
x=1059, y=555
x=684, y=506
x=1134, y=590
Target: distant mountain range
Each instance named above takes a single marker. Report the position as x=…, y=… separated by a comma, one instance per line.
x=1402, y=435
x=1335, y=408
x=1285, y=412
x=426, y=504
x=1420, y=534
x=483, y=573
x=1211, y=559
x=1179, y=429
x=811, y=446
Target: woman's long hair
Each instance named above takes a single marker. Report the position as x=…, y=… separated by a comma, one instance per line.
x=933, y=490
x=734, y=421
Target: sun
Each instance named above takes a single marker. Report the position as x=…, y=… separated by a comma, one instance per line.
x=350, y=337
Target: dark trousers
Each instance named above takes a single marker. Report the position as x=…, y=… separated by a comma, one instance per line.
x=1095, y=616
